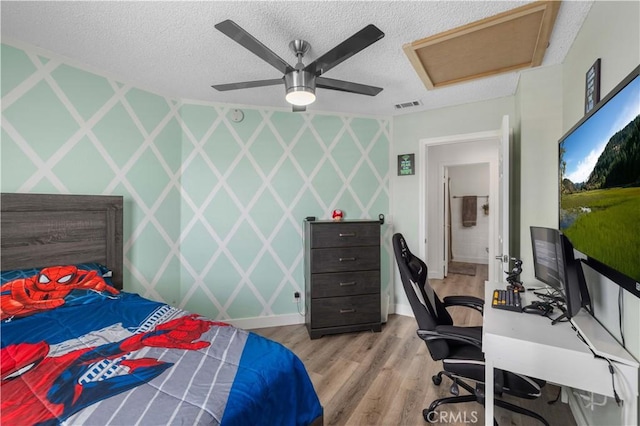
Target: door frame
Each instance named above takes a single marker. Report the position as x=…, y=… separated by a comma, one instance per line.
x=436, y=271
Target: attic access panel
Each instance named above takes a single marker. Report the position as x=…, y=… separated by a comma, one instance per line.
x=509, y=41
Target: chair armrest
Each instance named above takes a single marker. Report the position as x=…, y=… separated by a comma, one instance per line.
x=466, y=301
x=470, y=335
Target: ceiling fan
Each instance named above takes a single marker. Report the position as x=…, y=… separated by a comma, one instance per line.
x=301, y=81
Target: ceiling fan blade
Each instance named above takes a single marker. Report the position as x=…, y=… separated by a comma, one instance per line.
x=298, y=108
x=347, y=86
x=247, y=84
x=354, y=44
x=240, y=36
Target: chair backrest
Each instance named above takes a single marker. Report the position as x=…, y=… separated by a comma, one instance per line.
x=427, y=308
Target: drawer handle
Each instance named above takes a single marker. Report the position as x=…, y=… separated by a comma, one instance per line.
x=347, y=311
x=347, y=259
x=347, y=284
x=348, y=234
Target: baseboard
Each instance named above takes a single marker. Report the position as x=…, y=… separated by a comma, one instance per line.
x=404, y=310
x=288, y=319
x=264, y=322
x=435, y=275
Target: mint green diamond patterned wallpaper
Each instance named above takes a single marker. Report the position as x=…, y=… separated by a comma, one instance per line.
x=213, y=208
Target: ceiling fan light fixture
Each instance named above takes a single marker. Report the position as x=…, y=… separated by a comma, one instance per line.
x=300, y=96
x=300, y=81
x=301, y=87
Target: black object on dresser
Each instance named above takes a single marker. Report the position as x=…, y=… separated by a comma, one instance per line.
x=342, y=276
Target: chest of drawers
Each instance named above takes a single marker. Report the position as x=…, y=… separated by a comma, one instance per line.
x=342, y=277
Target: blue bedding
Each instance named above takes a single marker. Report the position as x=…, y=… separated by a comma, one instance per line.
x=105, y=358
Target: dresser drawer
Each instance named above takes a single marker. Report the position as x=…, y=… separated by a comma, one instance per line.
x=345, y=283
x=345, y=259
x=347, y=234
x=346, y=310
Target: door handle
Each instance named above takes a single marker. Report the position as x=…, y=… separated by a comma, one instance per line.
x=503, y=258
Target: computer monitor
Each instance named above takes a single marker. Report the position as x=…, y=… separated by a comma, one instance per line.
x=555, y=265
x=548, y=257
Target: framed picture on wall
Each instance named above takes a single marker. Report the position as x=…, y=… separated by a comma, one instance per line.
x=406, y=164
x=592, y=87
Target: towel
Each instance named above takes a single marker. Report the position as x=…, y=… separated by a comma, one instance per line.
x=469, y=210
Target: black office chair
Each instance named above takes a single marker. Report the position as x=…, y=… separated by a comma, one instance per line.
x=459, y=348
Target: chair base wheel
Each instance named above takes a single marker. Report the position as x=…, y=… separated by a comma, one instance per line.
x=436, y=380
x=428, y=415
x=454, y=389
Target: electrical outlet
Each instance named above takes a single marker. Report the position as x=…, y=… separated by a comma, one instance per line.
x=296, y=296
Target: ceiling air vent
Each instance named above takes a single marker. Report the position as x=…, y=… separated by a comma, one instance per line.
x=404, y=105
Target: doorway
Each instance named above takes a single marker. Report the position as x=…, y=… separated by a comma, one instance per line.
x=437, y=154
x=466, y=217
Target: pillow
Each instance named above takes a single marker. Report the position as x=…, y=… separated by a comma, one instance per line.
x=25, y=300
x=13, y=274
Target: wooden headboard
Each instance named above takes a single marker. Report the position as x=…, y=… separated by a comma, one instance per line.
x=40, y=230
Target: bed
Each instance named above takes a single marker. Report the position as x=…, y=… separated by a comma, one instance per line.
x=76, y=349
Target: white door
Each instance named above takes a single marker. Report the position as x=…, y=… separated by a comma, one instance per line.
x=447, y=225
x=502, y=249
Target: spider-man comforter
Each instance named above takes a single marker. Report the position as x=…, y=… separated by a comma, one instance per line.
x=116, y=360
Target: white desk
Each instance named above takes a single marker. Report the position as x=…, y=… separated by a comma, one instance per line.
x=528, y=344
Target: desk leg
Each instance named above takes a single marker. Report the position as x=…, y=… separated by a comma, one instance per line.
x=488, y=392
x=631, y=411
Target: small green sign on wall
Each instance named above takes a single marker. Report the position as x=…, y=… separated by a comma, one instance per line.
x=406, y=164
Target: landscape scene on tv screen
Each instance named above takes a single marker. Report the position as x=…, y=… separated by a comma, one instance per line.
x=600, y=183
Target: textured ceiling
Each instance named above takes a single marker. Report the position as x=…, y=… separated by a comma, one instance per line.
x=172, y=48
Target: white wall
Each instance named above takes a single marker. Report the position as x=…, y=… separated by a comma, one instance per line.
x=549, y=101
x=610, y=32
x=540, y=105
x=408, y=130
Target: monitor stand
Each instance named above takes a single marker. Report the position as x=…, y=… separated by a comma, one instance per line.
x=564, y=315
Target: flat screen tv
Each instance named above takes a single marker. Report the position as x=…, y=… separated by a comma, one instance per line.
x=599, y=180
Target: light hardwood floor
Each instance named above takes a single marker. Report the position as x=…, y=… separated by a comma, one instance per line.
x=384, y=378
